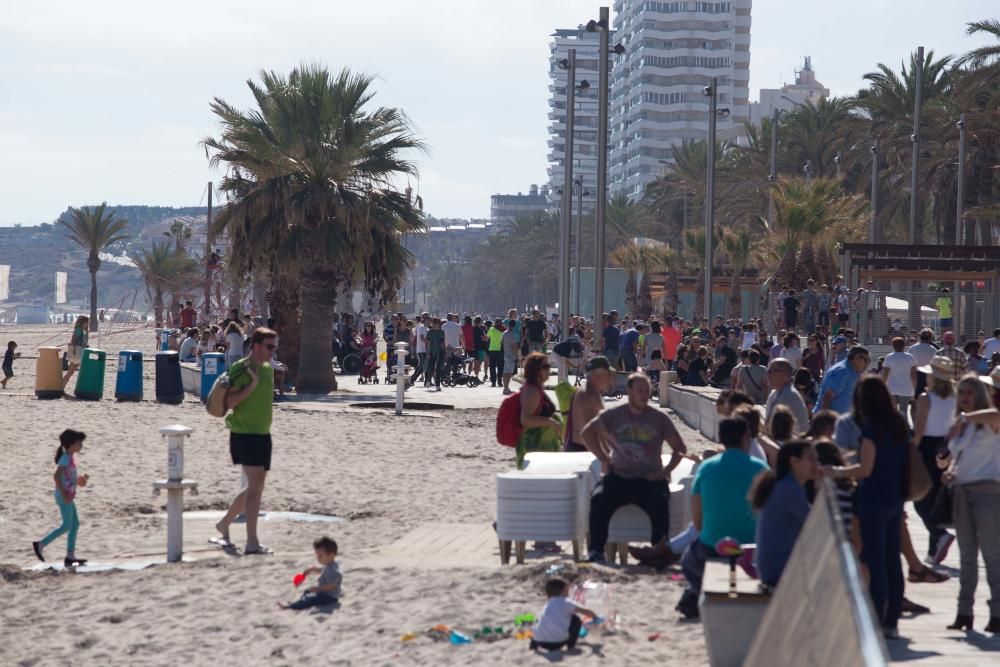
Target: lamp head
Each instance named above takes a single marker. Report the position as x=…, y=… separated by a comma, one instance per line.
x=563, y=64
x=707, y=91
x=583, y=85
x=591, y=25
x=618, y=49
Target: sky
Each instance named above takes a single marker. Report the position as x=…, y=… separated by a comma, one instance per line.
x=108, y=99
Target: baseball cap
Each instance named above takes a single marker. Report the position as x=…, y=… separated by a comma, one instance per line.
x=840, y=340
x=597, y=363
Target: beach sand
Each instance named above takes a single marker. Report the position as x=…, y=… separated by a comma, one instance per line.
x=385, y=476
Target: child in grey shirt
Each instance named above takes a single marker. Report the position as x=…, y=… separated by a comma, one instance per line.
x=327, y=590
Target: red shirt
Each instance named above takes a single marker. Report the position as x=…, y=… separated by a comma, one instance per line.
x=470, y=345
x=188, y=316
x=671, y=340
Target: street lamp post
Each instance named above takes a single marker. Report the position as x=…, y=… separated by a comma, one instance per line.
x=713, y=97
x=915, y=140
x=874, y=218
x=601, y=25
x=773, y=176
x=579, y=234
x=959, y=223
x=566, y=213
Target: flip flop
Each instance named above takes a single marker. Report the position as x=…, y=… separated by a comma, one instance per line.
x=260, y=550
x=222, y=542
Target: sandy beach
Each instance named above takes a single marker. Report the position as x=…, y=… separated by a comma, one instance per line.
x=384, y=476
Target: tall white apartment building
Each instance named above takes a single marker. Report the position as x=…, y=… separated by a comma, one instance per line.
x=672, y=51
x=806, y=89
x=585, y=121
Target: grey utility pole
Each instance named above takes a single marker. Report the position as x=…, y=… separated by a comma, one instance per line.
x=874, y=218
x=713, y=99
x=566, y=212
x=206, y=307
x=960, y=195
x=603, y=24
x=773, y=176
x=579, y=234
x=915, y=141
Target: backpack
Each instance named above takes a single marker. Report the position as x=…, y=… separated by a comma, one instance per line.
x=509, y=427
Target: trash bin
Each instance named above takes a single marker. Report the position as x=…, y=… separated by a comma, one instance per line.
x=128, y=383
x=90, y=380
x=213, y=364
x=163, y=339
x=48, y=373
x=169, y=388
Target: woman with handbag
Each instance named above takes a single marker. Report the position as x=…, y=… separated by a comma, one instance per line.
x=973, y=473
x=77, y=344
x=933, y=415
x=883, y=475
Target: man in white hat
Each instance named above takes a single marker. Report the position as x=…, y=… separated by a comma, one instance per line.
x=958, y=359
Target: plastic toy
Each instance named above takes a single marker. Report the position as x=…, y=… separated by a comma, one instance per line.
x=732, y=550
x=653, y=637
x=409, y=636
x=298, y=579
x=457, y=638
x=524, y=619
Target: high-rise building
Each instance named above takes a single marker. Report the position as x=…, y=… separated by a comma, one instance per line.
x=505, y=208
x=672, y=51
x=585, y=120
x=805, y=89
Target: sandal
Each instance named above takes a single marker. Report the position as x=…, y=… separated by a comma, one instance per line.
x=927, y=575
x=260, y=550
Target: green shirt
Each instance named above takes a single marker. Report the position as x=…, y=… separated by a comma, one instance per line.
x=944, y=307
x=253, y=415
x=723, y=483
x=435, y=342
x=496, y=339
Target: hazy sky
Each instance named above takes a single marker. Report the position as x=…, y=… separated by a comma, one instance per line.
x=107, y=100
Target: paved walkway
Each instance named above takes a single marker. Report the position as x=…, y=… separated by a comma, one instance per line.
x=924, y=640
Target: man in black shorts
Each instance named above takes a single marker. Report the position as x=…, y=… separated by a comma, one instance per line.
x=251, y=397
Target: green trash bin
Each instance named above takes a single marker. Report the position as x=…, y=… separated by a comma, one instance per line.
x=90, y=378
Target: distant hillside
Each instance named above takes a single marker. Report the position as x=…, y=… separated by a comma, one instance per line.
x=36, y=253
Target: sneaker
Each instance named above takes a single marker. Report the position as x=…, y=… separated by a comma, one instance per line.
x=596, y=557
x=507, y=392
x=37, y=547
x=941, y=549
x=688, y=606
x=911, y=607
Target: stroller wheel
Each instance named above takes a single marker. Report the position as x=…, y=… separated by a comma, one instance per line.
x=473, y=382
x=352, y=364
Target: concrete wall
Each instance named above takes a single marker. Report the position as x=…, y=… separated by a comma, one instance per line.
x=696, y=406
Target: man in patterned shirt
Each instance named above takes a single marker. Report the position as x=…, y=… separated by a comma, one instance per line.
x=958, y=359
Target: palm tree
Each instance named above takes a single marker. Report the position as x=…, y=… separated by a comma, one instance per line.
x=180, y=233
x=815, y=210
x=163, y=270
x=313, y=173
x=744, y=248
x=94, y=229
x=985, y=58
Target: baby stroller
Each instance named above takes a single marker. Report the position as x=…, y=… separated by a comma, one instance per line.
x=453, y=375
x=369, y=367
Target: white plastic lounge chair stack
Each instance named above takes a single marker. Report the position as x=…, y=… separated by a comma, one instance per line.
x=630, y=524
x=544, y=507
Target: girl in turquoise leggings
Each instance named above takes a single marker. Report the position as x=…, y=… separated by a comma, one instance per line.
x=70, y=442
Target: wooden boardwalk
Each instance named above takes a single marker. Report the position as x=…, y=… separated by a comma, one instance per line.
x=440, y=546
x=924, y=641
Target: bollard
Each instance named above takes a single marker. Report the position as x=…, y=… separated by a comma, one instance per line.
x=402, y=375
x=48, y=373
x=175, y=484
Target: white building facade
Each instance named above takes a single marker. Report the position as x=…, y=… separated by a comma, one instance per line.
x=805, y=89
x=585, y=120
x=672, y=51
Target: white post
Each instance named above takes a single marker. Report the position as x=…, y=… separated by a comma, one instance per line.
x=175, y=484
x=401, y=375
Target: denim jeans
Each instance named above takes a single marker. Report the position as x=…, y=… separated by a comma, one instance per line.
x=881, y=528
x=976, y=510
x=421, y=366
x=313, y=600
x=693, y=566
x=630, y=361
x=70, y=524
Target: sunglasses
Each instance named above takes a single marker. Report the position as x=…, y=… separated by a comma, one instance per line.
x=271, y=346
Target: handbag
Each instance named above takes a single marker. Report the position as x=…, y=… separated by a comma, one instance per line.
x=920, y=478
x=941, y=511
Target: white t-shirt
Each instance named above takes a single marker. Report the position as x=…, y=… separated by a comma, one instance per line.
x=922, y=353
x=793, y=354
x=899, y=365
x=843, y=304
x=553, y=626
x=991, y=347
x=234, y=345
x=452, y=333
x=749, y=338
x=421, y=338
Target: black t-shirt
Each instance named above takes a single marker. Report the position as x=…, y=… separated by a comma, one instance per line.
x=8, y=358
x=695, y=367
x=791, y=305
x=723, y=371
x=536, y=330
x=477, y=338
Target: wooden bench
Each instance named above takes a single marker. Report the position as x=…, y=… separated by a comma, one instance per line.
x=730, y=617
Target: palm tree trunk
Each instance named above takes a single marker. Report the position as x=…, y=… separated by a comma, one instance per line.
x=93, y=264
x=318, y=297
x=670, y=303
x=699, y=296
x=735, y=297
x=158, y=308
x=285, y=310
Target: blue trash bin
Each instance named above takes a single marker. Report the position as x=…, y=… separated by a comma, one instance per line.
x=169, y=388
x=213, y=364
x=128, y=383
x=163, y=338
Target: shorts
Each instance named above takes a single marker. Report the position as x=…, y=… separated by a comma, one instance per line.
x=509, y=366
x=278, y=366
x=481, y=355
x=843, y=317
x=8, y=371
x=250, y=449
x=74, y=354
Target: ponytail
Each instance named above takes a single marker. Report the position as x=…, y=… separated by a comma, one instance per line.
x=67, y=438
x=763, y=484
